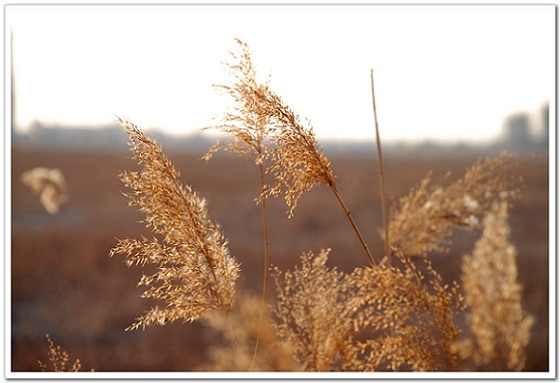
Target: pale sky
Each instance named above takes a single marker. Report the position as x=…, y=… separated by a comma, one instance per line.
x=449, y=72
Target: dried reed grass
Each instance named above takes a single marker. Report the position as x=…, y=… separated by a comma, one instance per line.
x=394, y=316
x=499, y=325
x=325, y=314
x=250, y=130
x=196, y=273
x=424, y=219
x=58, y=359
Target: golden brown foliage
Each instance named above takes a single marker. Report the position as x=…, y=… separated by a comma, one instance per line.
x=195, y=270
x=58, y=359
x=500, y=326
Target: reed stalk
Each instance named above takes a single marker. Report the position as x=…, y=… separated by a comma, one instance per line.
x=387, y=250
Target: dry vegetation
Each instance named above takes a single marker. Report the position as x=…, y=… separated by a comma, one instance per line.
x=58, y=359
x=406, y=314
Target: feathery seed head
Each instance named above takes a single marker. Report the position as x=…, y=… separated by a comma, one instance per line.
x=196, y=273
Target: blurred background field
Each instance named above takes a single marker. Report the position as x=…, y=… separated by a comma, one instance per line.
x=64, y=283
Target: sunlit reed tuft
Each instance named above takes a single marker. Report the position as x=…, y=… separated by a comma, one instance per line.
x=196, y=273
x=424, y=219
x=500, y=326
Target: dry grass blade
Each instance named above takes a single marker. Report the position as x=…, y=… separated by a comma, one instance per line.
x=500, y=326
x=195, y=273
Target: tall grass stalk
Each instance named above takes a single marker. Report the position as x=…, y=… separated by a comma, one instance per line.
x=266, y=267
x=387, y=255
x=354, y=226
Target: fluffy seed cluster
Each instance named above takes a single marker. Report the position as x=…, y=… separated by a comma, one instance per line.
x=195, y=273
x=500, y=326
x=426, y=217
x=264, y=128
x=372, y=319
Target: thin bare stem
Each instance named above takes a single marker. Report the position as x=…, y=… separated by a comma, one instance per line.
x=381, y=179
x=266, y=266
x=356, y=230
x=232, y=336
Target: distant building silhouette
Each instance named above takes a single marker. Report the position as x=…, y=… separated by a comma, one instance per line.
x=517, y=131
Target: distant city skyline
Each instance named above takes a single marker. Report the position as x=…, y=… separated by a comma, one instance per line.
x=442, y=72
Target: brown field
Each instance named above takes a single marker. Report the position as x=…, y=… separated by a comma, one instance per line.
x=64, y=283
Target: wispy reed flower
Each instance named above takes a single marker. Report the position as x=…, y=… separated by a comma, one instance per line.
x=245, y=122
x=196, y=273
x=371, y=319
x=410, y=318
x=500, y=326
x=298, y=162
x=426, y=217
x=312, y=312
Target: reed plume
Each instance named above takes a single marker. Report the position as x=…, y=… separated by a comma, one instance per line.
x=196, y=273
x=265, y=128
x=500, y=326
x=371, y=319
x=425, y=218
x=250, y=129
x=311, y=308
x=409, y=315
